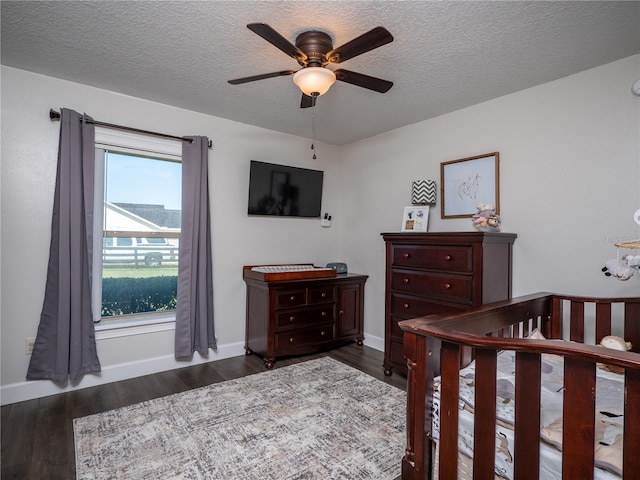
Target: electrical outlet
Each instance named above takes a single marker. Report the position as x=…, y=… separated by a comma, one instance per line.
x=28, y=345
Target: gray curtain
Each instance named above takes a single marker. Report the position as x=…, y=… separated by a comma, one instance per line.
x=65, y=346
x=194, y=309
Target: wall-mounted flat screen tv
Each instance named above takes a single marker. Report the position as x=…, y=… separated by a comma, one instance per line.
x=284, y=191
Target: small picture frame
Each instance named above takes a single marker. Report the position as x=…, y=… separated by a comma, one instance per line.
x=466, y=182
x=415, y=218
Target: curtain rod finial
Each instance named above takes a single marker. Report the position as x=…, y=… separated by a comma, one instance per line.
x=53, y=115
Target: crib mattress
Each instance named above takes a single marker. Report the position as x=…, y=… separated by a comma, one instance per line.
x=609, y=423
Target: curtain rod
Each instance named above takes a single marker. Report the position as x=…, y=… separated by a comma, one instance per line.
x=53, y=115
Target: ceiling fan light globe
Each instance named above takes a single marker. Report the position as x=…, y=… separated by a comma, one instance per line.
x=314, y=80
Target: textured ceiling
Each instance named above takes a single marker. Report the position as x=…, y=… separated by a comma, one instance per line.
x=445, y=55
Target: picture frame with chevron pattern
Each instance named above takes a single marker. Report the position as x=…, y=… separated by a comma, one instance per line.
x=466, y=182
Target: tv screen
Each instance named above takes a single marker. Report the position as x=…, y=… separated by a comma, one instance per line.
x=284, y=191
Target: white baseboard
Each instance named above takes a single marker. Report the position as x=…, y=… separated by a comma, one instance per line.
x=374, y=342
x=28, y=390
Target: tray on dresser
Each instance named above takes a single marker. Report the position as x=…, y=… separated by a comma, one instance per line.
x=286, y=272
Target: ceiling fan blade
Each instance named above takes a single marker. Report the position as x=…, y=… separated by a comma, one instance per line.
x=253, y=78
x=368, y=41
x=364, y=81
x=308, y=101
x=277, y=40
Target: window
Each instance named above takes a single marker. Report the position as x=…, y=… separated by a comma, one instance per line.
x=136, y=229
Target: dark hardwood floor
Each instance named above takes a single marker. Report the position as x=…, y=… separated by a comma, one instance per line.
x=37, y=435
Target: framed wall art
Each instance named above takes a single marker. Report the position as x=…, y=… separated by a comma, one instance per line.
x=466, y=182
x=415, y=218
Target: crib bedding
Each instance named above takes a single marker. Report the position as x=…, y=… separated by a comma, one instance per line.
x=609, y=419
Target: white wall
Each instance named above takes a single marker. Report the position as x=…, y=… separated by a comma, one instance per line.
x=29, y=155
x=569, y=181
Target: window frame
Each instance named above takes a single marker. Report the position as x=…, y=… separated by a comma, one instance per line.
x=135, y=144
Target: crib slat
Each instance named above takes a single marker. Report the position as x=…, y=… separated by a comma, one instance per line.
x=553, y=329
x=603, y=321
x=577, y=321
x=631, y=439
x=527, y=416
x=449, y=392
x=578, y=410
x=416, y=386
x=632, y=325
x=484, y=420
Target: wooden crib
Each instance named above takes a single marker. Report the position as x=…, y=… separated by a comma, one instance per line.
x=441, y=345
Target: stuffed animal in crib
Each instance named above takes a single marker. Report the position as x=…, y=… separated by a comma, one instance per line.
x=614, y=343
x=618, y=269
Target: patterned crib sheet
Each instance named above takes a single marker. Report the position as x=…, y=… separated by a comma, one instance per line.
x=609, y=417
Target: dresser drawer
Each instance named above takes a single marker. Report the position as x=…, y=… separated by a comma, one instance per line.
x=291, y=298
x=441, y=257
x=293, y=339
x=456, y=288
x=407, y=306
x=305, y=316
x=321, y=294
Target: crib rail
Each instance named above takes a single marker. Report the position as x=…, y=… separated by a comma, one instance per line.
x=603, y=307
x=442, y=344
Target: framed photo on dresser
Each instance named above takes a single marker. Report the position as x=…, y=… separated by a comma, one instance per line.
x=415, y=218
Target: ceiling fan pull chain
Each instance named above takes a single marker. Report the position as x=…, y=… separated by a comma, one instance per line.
x=313, y=132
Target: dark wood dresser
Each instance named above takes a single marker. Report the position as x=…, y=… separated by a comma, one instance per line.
x=302, y=316
x=440, y=272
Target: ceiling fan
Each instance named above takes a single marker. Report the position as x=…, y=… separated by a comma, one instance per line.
x=314, y=51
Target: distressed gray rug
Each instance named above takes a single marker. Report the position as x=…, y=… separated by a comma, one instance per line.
x=319, y=419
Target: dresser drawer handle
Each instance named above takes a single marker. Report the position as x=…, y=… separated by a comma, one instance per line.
x=292, y=318
x=405, y=280
x=405, y=305
x=448, y=258
x=323, y=333
x=291, y=339
x=406, y=255
x=324, y=295
x=447, y=286
x=324, y=314
x=292, y=298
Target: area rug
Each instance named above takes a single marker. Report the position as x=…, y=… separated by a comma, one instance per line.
x=319, y=419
